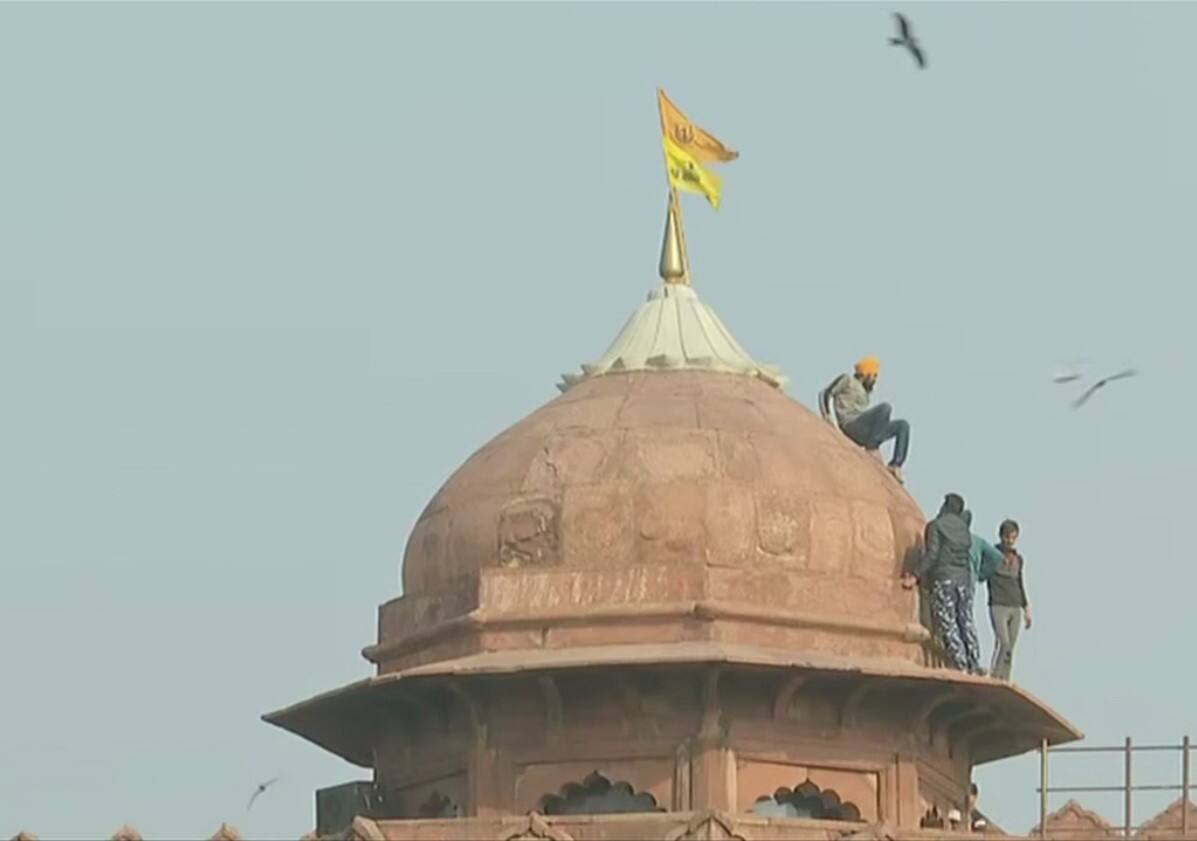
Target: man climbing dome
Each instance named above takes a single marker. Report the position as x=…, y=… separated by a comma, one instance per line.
x=944, y=565
x=869, y=428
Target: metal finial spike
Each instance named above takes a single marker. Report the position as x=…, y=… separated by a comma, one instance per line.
x=673, y=258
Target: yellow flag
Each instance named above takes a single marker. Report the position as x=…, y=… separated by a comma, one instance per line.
x=700, y=143
x=686, y=173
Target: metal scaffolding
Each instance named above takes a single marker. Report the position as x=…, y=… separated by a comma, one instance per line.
x=1128, y=749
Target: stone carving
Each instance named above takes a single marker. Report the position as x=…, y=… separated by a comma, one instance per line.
x=227, y=833
x=126, y=833
x=364, y=829
x=528, y=534
x=535, y=828
x=597, y=795
x=1072, y=820
x=708, y=826
x=806, y=801
x=1168, y=823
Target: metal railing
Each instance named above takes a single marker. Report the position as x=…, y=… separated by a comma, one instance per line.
x=1128, y=788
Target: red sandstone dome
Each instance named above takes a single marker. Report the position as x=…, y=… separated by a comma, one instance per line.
x=673, y=494
x=693, y=468
x=656, y=488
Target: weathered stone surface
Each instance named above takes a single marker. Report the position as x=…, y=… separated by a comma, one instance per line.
x=671, y=522
x=594, y=525
x=1170, y=823
x=732, y=505
x=678, y=468
x=874, y=545
x=783, y=525
x=660, y=454
x=226, y=833
x=1073, y=821
x=529, y=534
x=832, y=526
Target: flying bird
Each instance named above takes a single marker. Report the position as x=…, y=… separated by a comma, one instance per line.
x=1093, y=389
x=1070, y=371
x=259, y=790
x=906, y=39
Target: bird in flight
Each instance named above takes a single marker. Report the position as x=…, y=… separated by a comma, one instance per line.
x=906, y=39
x=259, y=790
x=1093, y=389
x=1070, y=371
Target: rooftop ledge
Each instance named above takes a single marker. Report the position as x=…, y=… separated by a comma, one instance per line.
x=343, y=720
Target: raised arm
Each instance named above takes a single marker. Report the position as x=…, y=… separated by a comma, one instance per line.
x=930, y=552
x=991, y=559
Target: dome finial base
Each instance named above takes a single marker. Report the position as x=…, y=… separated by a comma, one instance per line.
x=674, y=266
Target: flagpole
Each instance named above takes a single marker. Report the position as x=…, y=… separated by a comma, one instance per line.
x=675, y=206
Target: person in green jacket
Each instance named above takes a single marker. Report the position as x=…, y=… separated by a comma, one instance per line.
x=983, y=556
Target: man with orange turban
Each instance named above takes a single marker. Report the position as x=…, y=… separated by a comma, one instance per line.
x=868, y=427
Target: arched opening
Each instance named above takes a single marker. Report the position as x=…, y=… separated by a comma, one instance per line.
x=596, y=795
x=806, y=801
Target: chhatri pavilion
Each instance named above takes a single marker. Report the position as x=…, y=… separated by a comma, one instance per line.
x=666, y=604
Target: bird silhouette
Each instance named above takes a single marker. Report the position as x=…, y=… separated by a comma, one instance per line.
x=1093, y=389
x=1070, y=371
x=906, y=39
x=259, y=790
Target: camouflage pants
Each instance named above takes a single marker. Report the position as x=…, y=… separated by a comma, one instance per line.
x=952, y=610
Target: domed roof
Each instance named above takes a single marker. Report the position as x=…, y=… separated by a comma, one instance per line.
x=673, y=494
x=679, y=467
x=673, y=479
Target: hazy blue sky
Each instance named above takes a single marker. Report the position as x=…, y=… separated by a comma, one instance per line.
x=269, y=273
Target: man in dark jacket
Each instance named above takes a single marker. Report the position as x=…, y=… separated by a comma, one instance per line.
x=944, y=568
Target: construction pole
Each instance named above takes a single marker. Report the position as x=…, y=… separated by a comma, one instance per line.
x=1184, y=787
x=1129, y=789
x=1043, y=789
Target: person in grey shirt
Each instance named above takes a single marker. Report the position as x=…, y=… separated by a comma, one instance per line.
x=867, y=427
x=1009, y=607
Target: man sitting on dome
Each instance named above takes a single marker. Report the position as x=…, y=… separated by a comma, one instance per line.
x=868, y=427
x=944, y=567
